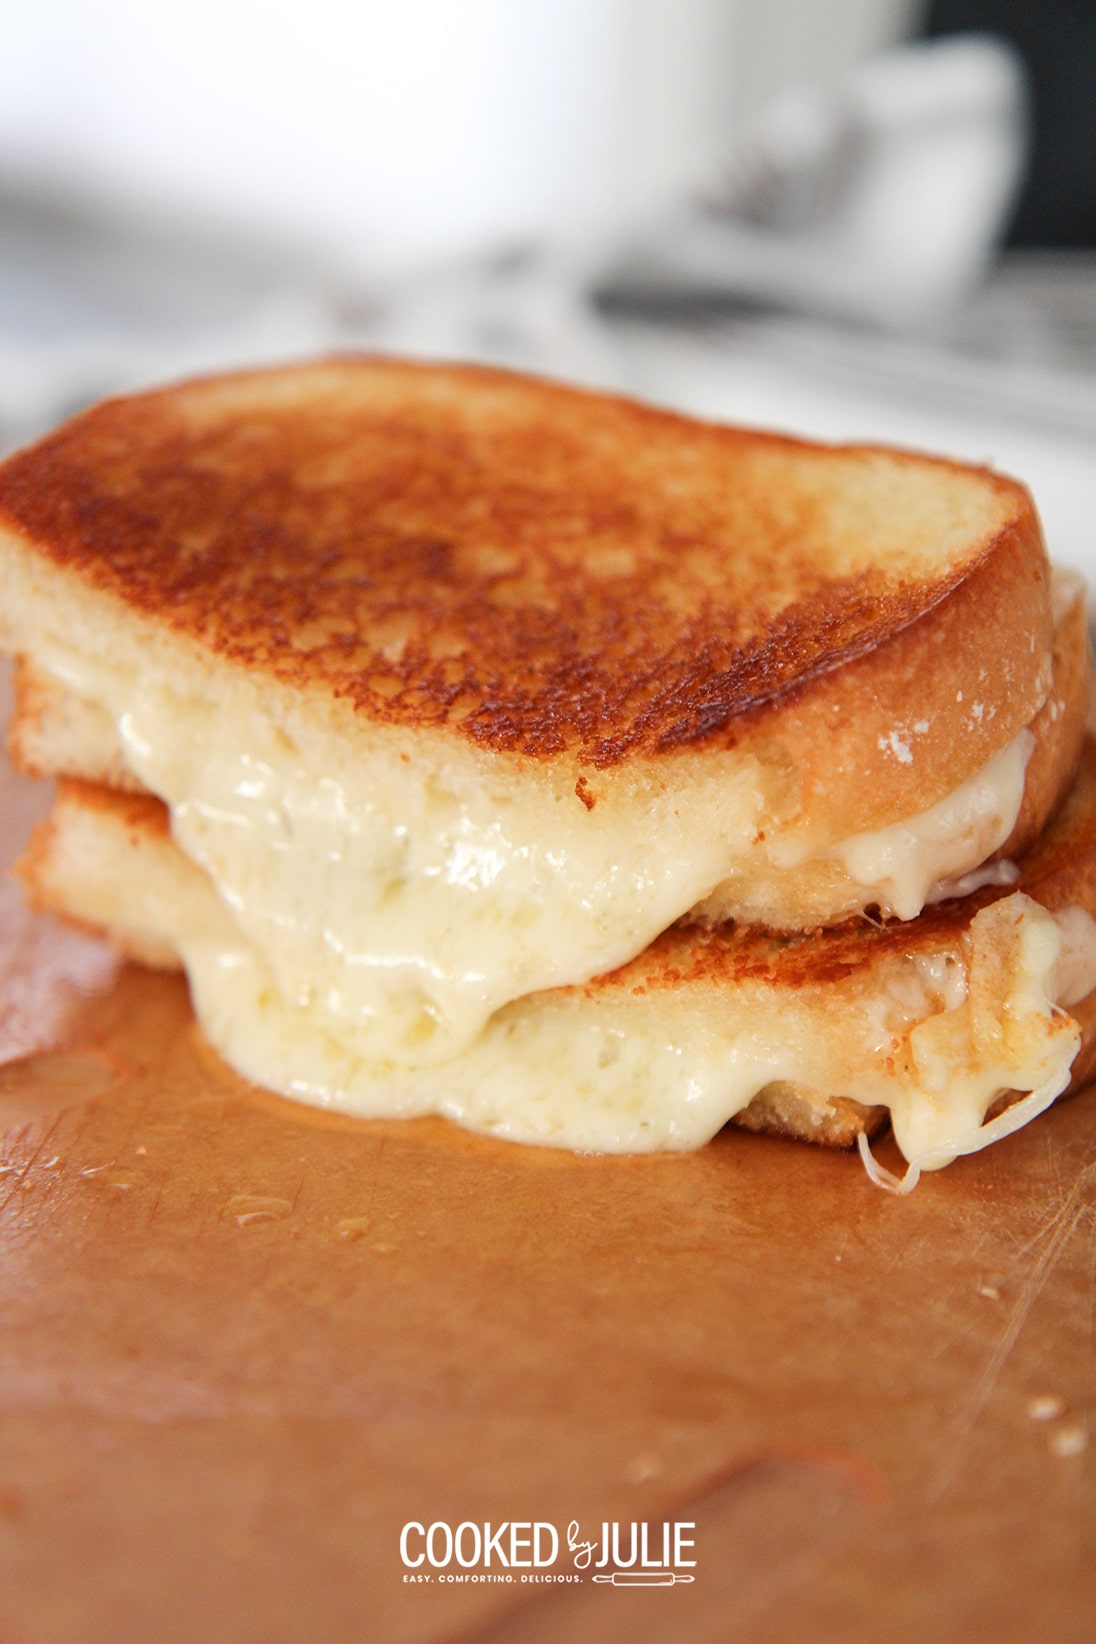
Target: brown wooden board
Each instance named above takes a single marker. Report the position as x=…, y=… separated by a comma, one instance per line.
x=242, y=1343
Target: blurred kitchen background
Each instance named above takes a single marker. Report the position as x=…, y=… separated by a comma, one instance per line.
x=847, y=218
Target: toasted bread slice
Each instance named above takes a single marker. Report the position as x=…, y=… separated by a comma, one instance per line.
x=936, y=1020
x=463, y=686
x=540, y=571
x=105, y=861
x=55, y=732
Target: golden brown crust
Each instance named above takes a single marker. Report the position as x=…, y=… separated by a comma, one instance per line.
x=541, y=569
x=139, y=813
x=810, y=895
x=1058, y=728
x=905, y=724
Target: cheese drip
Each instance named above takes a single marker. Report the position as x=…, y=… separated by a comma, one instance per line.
x=400, y=904
x=930, y=856
x=658, y=1056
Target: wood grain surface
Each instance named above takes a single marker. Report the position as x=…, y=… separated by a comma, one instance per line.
x=243, y=1342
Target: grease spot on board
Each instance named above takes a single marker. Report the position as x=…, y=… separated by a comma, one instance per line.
x=246, y=1208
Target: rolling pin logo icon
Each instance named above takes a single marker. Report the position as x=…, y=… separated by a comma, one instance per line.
x=644, y=1578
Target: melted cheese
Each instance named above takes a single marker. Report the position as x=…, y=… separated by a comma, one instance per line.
x=647, y=1061
x=938, y=853
x=382, y=921
x=399, y=905
x=617, y=1071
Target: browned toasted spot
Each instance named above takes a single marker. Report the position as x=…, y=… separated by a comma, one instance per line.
x=541, y=568
x=140, y=813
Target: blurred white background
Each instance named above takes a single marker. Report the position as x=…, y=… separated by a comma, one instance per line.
x=389, y=134
x=738, y=207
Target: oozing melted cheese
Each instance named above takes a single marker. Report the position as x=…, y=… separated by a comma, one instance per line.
x=392, y=911
x=646, y=1061
x=939, y=852
x=634, y=1072
x=795, y=878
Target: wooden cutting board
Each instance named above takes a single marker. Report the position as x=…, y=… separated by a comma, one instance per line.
x=242, y=1343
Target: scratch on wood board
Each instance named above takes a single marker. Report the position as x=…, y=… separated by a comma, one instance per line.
x=1050, y=1243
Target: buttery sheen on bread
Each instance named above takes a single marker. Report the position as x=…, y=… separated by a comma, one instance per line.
x=462, y=687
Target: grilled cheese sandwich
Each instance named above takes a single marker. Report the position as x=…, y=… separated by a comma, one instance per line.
x=929, y=1023
x=461, y=690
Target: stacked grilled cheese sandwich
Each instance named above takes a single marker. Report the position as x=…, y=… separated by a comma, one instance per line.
x=585, y=773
